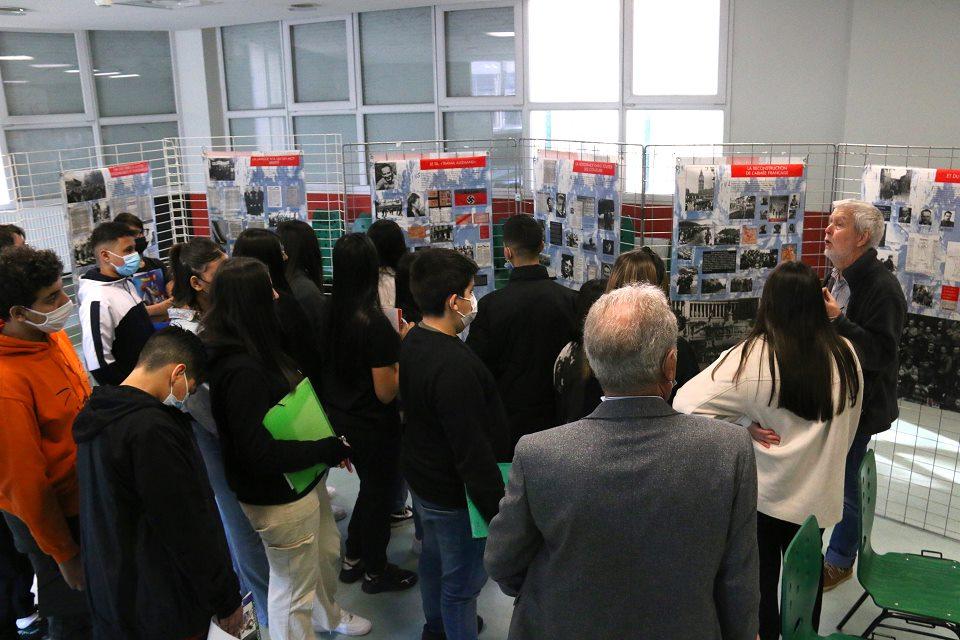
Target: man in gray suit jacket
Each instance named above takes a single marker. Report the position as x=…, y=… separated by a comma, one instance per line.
x=637, y=521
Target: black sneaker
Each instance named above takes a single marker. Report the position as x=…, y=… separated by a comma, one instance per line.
x=430, y=635
x=350, y=572
x=392, y=578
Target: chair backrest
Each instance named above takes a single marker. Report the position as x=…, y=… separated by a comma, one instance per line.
x=868, y=504
x=802, y=564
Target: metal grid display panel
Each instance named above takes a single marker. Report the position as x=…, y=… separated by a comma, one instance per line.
x=504, y=159
x=185, y=170
x=918, y=473
x=35, y=178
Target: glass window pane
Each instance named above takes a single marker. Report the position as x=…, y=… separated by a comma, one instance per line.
x=320, y=72
x=46, y=80
x=137, y=142
x=588, y=125
x=574, y=51
x=260, y=134
x=254, y=69
x=481, y=59
x=657, y=27
x=390, y=127
x=39, y=155
x=488, y=125
x=320, y=161
x=396, y=50
x=141, y=72
x=668, y=127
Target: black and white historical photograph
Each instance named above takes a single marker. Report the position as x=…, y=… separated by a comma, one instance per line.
x=930, y=362
x=222, y=170
x=743, y=207
x=100, y=212
x=895, y=184
x=726, y=235
x=712, y=327
x=556, y=234
x=275, y=218
x=699, y=188
x=904, y=215
x=605, y=214
x=572, y=238
x=82, y=252
x=777, y=211
x=713, y=285
x=926, y=218
x=884, y=210
x=694, y=233
x=947, y=220
x=549, y=171
x=608, y=246
x=758, y=259
x=544, y=202
x=566, y=266
x=86, y=186
x=415, y=208
x=590, y=244
x=684, y=253
x=922, y=295
x=606, y=269
x=441, y=233
x=390, y=208
x=794, y=206
x=687, y=280
x=253, y=201
x=385, y=175
x=741, y=285
x=561, y=206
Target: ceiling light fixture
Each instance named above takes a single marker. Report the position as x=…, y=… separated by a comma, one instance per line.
x=72, y=71
x=15, y=58
x=500, y=34
x=107, y=73
x=13, y=11
x=304, y=6
x=16, y=82
x=51, y=65
x=125, y=75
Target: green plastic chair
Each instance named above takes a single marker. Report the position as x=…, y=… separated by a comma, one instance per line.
x=802, y=564
x=920, y=590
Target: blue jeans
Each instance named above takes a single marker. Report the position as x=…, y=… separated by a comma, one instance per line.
x=246, y=549
x=451, y=571
x=845, y=540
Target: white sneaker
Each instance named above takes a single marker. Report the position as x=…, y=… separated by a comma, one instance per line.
x=331, y=493
x=339, y=513
x=353, y=625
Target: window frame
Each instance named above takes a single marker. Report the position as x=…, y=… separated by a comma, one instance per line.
x=290, y=93
x=519, y=49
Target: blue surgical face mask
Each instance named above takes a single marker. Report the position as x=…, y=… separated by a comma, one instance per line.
x=171, y=400
x=131, y=263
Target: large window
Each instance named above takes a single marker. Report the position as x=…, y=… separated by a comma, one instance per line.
x=133, y=72
x=321, y=67
x=40, y=155
x=396, y=53
x=40, y=73
x=600, y=125
x=253, y=65
x=669, y=127
x=480, y=52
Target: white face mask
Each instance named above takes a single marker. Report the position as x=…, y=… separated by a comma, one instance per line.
x=53, y=321
x=467, y=318
x=171, y=400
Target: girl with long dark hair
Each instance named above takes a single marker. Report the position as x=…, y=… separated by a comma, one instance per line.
x=388, y=239
x=360, y=384
x=194, y=265
x=250, y=372
x=795, y=374
x=304, y=270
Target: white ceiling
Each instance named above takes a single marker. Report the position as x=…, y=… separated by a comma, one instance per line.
x=70, y=15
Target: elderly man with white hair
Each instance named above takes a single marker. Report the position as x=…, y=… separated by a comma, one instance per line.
x=867, y=303
x=637, y=521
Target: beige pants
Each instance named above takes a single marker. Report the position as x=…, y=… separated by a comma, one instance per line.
x=303, y=548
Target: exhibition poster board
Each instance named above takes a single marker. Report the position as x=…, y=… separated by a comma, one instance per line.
x=95, y=196
x=733, y=224
x=921, y=242
x=439, y=200
x=577, y=203
x=253, y=190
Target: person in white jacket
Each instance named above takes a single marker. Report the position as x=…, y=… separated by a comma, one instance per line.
x=795, y=375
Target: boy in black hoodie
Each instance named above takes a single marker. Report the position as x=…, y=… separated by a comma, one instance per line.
x=154, y=551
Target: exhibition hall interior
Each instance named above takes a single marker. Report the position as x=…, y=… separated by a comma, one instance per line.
x=510, y=319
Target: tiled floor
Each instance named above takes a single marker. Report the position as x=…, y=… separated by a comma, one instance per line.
x=399, y=616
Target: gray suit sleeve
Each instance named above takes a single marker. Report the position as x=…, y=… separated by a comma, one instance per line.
x=736, y=590
x=514, y=539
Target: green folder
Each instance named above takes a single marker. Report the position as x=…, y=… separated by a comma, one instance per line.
x=478, y=526
x=299, y=416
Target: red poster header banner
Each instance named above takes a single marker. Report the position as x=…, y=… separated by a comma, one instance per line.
x=596, y=168
x=467, y=162
x=950, y=294
x=129, y=169
x=766, y=171
x=947, y=175
x=287, y=160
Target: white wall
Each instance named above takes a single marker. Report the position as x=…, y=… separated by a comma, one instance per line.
x=788, y=70
x=904, y=78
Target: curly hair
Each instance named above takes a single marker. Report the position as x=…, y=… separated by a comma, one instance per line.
x=23, y=273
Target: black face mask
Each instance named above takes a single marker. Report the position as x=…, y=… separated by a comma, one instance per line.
x=140, y=244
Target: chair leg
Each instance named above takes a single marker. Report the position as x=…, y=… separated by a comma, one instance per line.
x=876, y=622
x=853, y=610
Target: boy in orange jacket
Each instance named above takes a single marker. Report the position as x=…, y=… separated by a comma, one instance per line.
x=42, y=389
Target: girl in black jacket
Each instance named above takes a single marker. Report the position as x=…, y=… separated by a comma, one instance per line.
x=250, y=372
